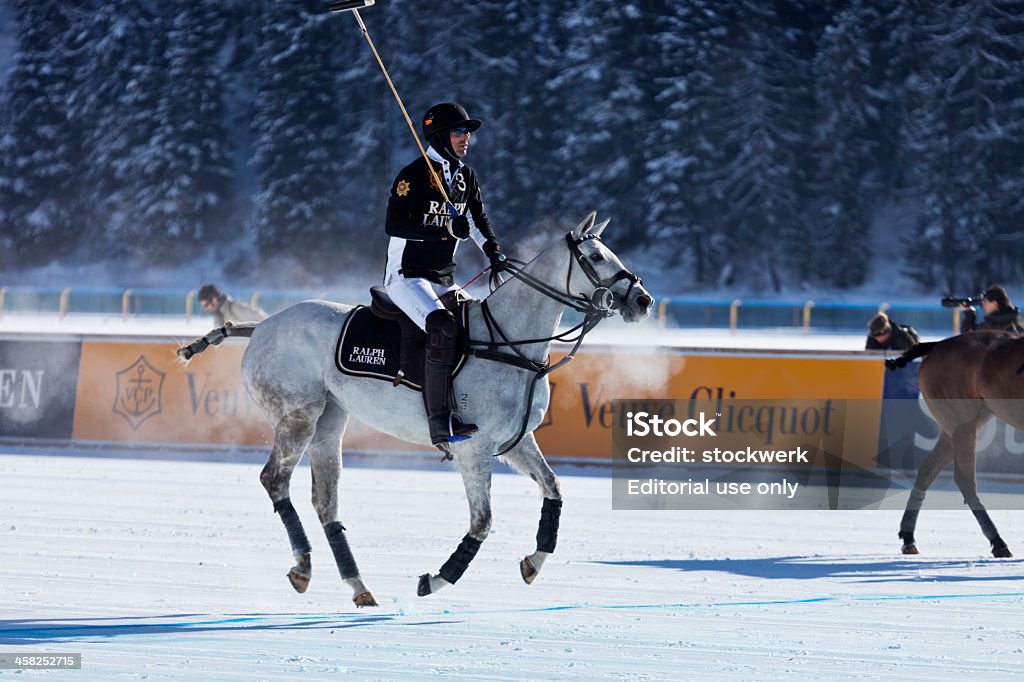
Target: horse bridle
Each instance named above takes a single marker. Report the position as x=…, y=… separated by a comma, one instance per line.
x=602, y=287
x=599, y=305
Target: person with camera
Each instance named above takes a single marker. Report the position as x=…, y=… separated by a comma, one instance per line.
x=884, y=334
x=1000, y=313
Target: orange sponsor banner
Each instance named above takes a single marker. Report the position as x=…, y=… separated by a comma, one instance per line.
x=583, y=407
x=139, y=392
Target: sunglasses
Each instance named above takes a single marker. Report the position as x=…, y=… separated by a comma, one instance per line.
x=881, y=334
x=461, y=132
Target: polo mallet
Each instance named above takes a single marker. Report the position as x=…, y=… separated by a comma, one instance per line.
x=354, y=6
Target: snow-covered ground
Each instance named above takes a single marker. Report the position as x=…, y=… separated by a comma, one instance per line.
x=166, y=570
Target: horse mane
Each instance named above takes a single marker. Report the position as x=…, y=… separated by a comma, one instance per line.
x=918, y=350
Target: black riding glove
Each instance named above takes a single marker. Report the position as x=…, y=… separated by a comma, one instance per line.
x=498, y=261
x=460, y=226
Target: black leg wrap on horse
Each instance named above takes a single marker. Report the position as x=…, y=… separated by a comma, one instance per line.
x=547, y=532
x=458, y=562
x=909, y=522
x=292, y=524
x=987, y=527
x=342, y=554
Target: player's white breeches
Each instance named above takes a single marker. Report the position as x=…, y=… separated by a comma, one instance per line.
x=417, y=297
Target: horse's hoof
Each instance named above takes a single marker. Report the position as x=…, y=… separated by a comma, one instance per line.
x=527, y=570
x=423, y=587
x=365, y=599
x=1002, y=552
x=910, y=549
x=299, y=582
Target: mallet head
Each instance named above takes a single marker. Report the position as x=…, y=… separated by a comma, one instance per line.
x=348, y=5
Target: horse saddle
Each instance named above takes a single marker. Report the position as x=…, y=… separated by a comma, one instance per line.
x=381, y=342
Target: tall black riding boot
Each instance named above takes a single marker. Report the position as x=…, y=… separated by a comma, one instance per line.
x=441, y=351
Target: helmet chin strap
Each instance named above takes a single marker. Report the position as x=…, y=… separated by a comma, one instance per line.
x=442, y=143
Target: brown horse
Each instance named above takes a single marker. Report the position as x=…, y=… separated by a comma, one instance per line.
x=965, y=381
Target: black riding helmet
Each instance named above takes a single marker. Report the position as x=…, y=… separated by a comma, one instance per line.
x=441, y=118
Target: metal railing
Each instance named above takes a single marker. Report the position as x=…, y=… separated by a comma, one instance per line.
x=809, y=315
x=133, y=302
x=671, y=312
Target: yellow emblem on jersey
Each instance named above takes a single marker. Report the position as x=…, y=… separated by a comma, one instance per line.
x=402, y=188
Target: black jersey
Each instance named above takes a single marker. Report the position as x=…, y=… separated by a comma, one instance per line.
x=418, y=219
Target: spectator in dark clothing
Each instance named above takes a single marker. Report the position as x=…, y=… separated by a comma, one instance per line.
x=884, y=334
x=1000, y=313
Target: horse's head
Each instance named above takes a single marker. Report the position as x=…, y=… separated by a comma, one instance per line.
x=601, y=276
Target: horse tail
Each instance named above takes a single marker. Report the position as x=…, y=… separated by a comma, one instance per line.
x=918, y=350
x=214, y=338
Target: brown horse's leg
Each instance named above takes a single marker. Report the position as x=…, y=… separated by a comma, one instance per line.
x=938, y=459
x=966, y=478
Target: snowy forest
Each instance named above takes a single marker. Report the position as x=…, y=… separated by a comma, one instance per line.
x=739, y=142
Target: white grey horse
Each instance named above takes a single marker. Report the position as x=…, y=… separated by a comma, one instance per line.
x=289, y=370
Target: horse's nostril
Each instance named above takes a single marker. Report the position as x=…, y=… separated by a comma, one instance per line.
x=644, y=300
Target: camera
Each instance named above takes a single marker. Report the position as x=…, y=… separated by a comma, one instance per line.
x=957, y=301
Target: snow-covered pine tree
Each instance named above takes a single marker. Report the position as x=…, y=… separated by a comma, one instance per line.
x=371, y=125
x=607, y=82
x=122, y=75
x=513, y=48
x=298, y=139
x=962, y=135
x=759, y=119
x=187, y=204
x=40, y=150
x=683, y=207
x=844, y=146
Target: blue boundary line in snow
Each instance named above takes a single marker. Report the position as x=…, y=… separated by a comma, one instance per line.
x=772, y=602
x=81, y=628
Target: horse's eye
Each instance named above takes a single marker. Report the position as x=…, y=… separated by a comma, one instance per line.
x=596, y=257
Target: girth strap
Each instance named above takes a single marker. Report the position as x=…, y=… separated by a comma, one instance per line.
x=508, y=359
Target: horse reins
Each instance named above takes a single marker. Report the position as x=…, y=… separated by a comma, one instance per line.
x=596, y=307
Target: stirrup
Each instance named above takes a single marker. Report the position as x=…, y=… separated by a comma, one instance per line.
x=458, y=431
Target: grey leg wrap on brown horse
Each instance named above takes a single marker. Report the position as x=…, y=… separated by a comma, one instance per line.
x=547, y=532
x=292, y=524
x=342, y=554
x=458, y=562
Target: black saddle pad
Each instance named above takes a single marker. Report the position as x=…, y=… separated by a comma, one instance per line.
x=369, y=346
